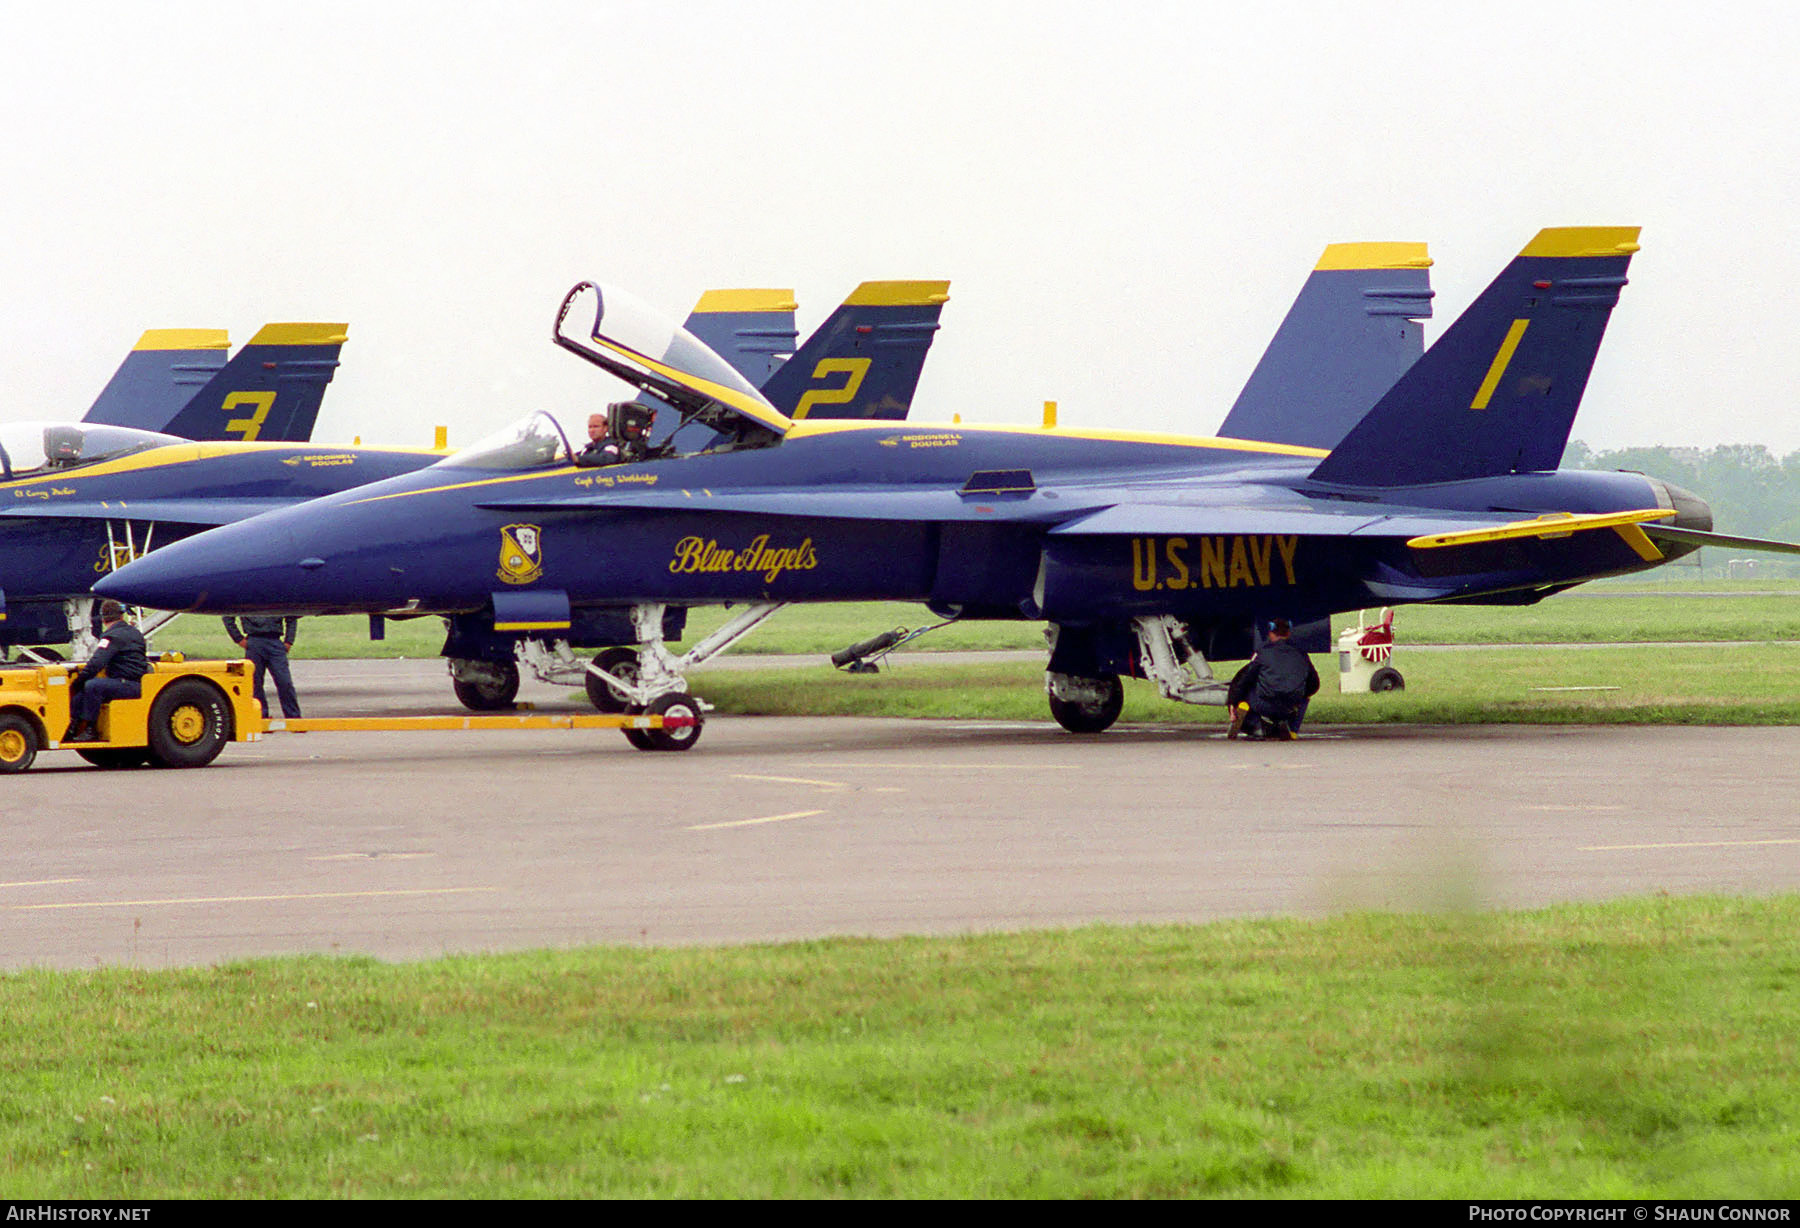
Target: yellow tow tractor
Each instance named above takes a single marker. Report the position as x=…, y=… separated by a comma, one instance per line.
x=189, y=710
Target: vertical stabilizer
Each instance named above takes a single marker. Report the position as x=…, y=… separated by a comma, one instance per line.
x=1498, y=391
x=865, y=360
x=753, y=330
x=1354, y=330
x=271, y=389
x=160, y=375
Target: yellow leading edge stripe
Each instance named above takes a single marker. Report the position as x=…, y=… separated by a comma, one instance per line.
x=1556, y=524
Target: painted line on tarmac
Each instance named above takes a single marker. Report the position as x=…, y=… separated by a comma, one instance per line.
x=911, y=766
x=371, y=856
x=1686, y=844
x=253, y=899
x=43, y=882
x=794, y=780
x=774, y=818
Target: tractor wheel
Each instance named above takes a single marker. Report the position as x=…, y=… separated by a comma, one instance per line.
x=18, y=743
x=681, y=706
x=190, y=722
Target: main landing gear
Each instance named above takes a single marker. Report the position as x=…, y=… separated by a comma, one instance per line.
x=1090, y=703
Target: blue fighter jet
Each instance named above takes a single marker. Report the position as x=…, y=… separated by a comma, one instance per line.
x=1147, y=555
x=79, y=499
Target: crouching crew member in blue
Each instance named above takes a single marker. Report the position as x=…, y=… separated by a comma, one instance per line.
x=1268, y=697
x=267, y=641
x=115, y=671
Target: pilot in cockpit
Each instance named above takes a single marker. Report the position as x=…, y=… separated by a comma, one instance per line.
x=619, y=436
x=62, y=446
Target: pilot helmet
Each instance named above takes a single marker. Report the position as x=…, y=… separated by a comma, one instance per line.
x=62, y=444
x=630, y=419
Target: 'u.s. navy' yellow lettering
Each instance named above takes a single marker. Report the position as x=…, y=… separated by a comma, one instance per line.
x=1243, y=561
x=248, y=428
x=855, y=368
x=701, y=554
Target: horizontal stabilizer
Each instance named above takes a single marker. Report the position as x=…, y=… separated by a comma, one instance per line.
x=1554, y=524
x=160, y=375
x=271, y=389
x=1352, y=332
x=1498, y=392
x=1694, y=537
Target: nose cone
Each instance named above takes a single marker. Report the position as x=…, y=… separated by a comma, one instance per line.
x=235, y=568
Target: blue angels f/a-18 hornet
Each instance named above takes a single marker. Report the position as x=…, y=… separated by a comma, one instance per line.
x=1148, y=555
x=79, y=499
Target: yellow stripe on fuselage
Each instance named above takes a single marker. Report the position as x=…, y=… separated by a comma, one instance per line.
x=186, y=453
x=801, y=430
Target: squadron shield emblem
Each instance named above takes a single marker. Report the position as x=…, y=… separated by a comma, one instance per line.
x=521, y=553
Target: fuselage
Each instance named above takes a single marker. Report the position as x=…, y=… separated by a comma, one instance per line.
x=1064, y=525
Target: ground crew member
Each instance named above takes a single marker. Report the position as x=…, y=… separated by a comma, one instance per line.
x=115, y=671
x=1268, y=697
x=267, y=641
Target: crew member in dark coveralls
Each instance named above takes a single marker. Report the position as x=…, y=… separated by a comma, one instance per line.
x=266, y=641
x=115, y=671
x=1268, y=697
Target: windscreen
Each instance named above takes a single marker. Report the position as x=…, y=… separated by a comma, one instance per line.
x=535, y=442
x=28, y=448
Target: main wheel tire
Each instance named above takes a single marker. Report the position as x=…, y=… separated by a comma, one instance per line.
x=115, y=756
x=682, y=706
x=1079, y=717
x=18, y=743
x=484, y=696
x=190, y=722
x=1387, y=678
x=639, y=738
x=621, y=661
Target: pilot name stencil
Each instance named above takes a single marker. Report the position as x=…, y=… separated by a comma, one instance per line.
x=1243, y=561
x=700, y=554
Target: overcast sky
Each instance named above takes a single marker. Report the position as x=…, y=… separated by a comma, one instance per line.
x=1126, y=197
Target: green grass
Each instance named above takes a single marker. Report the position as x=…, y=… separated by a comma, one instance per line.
x=1636, y=1049
x=1593, y=614
x=1756, y=684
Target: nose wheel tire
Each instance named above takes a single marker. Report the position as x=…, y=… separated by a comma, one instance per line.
x=620, y=661
x=489, y=694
